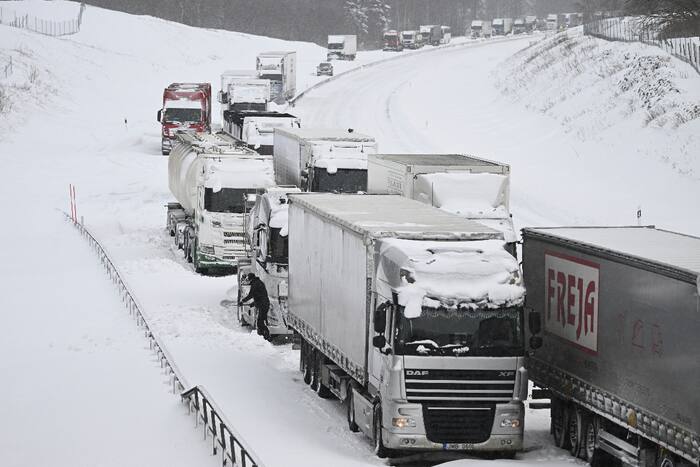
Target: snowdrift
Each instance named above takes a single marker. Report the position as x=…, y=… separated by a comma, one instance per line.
x=597, y=89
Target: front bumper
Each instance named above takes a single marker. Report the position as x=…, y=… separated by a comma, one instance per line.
x=415, y=438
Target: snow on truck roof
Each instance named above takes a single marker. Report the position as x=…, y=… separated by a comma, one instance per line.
x=325, y=134
x=649, y=244
x=380, y=216
x=217, y=145
x=438, y=159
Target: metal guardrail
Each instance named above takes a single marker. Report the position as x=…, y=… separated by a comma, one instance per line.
x=626, y=29
x=199, y=402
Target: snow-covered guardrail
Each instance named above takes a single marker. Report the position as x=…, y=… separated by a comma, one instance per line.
x=473, y=43
x=199, y=401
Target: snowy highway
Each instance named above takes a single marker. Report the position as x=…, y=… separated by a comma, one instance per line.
x=88, y=118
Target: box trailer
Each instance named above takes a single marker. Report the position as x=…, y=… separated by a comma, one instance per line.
x=615, y=318
x=471, y=187
x=281, y=69
x=412, y=316
x=480, y=29
x=317, y=159
x=342, y=47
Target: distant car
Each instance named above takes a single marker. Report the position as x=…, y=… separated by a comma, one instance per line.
x=324, y=68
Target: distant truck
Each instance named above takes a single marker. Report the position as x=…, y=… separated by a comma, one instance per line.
x=186, y=106
x=392, y=41
x=411, y=39
x=555, y=22
x=530, y=23
x=615, y=319
x=210, y=176
x=519, y=26
x=342, y=47
x=480, y=29
x=446, y=34
x=281, y=69
x=267, y=236
x=412, y=317
x=432, y=34
x=502, y=26
x=327, y=160
x=467, y=186
x=256, y=128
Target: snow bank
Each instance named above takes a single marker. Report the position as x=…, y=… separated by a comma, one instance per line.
x=594, y=88
x=456, y=275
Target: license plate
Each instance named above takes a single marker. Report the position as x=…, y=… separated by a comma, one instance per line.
x=457, y=447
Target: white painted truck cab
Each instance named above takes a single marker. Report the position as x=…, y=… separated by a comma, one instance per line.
x=411, y=316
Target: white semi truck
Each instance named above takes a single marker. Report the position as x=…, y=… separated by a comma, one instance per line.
x=267, y=234
x=244, y=93
x=502, y=26
x=210, y=176
x=322, y=159
x=468, y=186
x=342, y=47
x=480, y=29
x=256, y=128
x=412, y=317
x=281, y=69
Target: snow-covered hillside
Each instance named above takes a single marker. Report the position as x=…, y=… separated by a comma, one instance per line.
x=602, y=90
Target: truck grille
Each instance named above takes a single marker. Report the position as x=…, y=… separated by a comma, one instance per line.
x=233, y=234
x=231, y=241
x=458, y=425
x=459, y=405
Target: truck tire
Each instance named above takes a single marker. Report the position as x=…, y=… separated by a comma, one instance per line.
x=307, y=362
x=560, y=423
x=352, y=424
x=590, y=439
x=379, y=450
x=316, y=383
x=197, y=268
x=575, y=430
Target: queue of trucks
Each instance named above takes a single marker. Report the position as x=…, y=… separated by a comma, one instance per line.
x=398, y=276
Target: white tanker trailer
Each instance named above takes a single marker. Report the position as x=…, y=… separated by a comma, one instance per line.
x=211, y=176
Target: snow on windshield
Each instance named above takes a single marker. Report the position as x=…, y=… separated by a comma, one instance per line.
x=466, y=194
x=456, y=275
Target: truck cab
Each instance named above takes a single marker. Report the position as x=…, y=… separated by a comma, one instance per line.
x=267, y=237
x=392, y=41
x=450, y=374
x=256, y=128
x=186, y=107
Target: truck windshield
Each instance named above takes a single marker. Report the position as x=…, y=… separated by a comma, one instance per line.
x=183, y=115
x=231, y=200
x=342, y=181
x=335, y=46
x=481, y=332
x=279, y=247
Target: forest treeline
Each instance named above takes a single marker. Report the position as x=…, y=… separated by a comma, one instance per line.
x=313, y=20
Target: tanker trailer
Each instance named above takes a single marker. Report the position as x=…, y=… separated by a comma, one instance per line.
x=211, y=176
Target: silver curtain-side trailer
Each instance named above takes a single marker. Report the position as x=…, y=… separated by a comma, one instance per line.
x=620, y=344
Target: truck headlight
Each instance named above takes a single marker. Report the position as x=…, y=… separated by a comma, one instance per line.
x=403, y=422
x=510, y=423
x=206, y=249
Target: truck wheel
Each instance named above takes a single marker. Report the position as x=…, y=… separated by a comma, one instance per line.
x=379, y=449
x=317, y=384
x=197, y=268
x=352, y=425
x=307, y=363
x=667, y=460
x=590, y=439
x=575, y=431
x=560, y=423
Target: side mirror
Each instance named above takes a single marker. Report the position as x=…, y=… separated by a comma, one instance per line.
x=379, y=342
x=159, y=115
x=380, y=318
x=535, y=342
x=535, y=322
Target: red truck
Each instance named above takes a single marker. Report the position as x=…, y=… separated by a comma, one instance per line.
x=186, y=106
